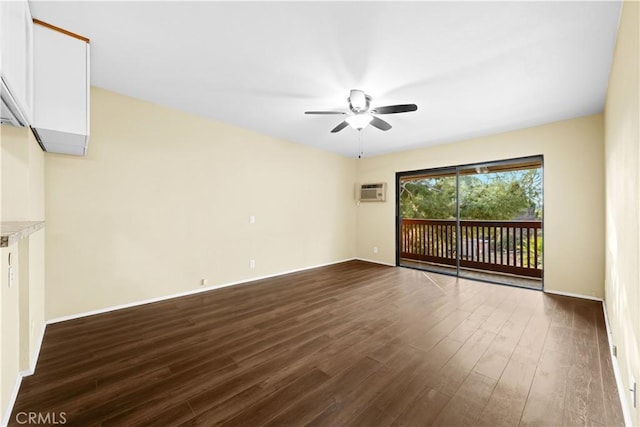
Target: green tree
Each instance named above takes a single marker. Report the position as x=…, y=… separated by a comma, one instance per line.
x=496, y=199
x=531, y=181
x=491, y=196
x=433, y=198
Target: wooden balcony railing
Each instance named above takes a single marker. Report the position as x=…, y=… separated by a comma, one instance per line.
x=512, y=247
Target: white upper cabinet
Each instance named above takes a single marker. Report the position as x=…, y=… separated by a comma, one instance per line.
x=16, y=50
x=61, y=90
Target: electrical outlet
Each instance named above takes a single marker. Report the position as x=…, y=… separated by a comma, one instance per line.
x=375, y=249
x=252, y=264
x=204, y=282
x=252, y=219
x=633, y=390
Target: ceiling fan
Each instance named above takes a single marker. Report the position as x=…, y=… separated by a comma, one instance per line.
x=361, y=115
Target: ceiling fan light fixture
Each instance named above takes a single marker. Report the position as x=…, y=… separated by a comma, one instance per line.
x=359, y=121
x=360, y=116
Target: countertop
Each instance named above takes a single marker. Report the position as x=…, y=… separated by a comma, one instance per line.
x=13, y=231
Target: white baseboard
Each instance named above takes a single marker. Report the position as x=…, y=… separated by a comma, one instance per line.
x=36, y=352
x=16, y=387
x=186, y=293
x=616, y=370
x=375, y=262
x=569, y=294
x=12, y=400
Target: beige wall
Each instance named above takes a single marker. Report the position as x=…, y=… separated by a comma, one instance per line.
x=573, y=192
x=36, y=302
x=3, y=283
x=10, y=328
x=23, y=172
x=22, y=305
x=622, y=138
x=163, y=200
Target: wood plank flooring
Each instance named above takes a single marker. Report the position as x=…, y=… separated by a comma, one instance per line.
x=353, y=344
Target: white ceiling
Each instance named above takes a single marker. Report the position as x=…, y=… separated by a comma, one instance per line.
x=473, y=68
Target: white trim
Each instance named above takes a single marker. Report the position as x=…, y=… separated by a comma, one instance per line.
x=375, y=262
x=36, y=353
x=569, y=294
x=186, y=293
x=16, y=387
x=12, y=400
x=626, y=413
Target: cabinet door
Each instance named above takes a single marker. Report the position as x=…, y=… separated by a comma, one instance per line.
x=61, y=82
x=17, y=53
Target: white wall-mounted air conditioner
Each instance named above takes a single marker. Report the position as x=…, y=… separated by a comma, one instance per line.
x=373, y=192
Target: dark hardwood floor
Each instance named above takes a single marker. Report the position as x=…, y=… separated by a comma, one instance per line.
x=350, y=344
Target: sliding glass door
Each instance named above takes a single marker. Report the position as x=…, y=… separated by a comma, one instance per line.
x=480, y=221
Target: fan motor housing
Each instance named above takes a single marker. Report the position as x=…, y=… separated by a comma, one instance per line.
x=359, y=101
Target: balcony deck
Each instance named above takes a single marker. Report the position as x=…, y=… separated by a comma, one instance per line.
x=485, y=276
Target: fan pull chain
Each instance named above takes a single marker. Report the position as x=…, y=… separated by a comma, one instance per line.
x=360, y=153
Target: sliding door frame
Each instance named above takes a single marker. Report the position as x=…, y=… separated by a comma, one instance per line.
x=434, y=171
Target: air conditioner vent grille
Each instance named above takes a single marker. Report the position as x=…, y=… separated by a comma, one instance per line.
x=373, y=192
